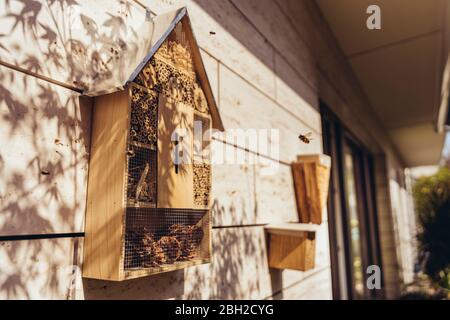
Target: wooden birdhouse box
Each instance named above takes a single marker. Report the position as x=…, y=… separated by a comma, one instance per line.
x=148, y=208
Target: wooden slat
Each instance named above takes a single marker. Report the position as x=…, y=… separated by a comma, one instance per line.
x=294, y=93
x=242, y=195
x=104, y=216
x=212, y=71
x=244, y=107
x=233, y=195
x=44, y=137
x=267, y=17
x=70, y=41
x=236, y=42
x=41, y=269
x=275, y=197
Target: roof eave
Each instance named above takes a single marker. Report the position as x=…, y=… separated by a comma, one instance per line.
x=182, y=12
x=198, y=62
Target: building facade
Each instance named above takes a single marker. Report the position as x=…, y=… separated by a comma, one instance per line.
x=272, y=64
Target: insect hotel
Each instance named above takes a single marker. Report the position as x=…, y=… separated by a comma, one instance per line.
x=149, y=186
x=293, y=245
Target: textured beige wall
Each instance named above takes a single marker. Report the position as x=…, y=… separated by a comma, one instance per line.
x=257, y=85
x=262, y=63
x=44, y=156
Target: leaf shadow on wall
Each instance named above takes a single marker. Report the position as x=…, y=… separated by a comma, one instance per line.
x=45, y=135
x=57, y=163
x=44, y=156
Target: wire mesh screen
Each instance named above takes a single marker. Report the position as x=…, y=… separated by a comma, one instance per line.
x=142, y=145
x=158, y=237
x=141, y=182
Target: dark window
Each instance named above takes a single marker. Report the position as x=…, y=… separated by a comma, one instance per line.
x=353, y=223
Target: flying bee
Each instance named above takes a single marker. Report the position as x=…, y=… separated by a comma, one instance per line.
x=306, y=138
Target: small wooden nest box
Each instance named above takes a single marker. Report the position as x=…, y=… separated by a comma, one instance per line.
x=292, y=246
x=311, y=175
x=148, y=208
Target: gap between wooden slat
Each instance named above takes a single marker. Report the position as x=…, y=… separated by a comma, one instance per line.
x=41, y=77
x=42, y=236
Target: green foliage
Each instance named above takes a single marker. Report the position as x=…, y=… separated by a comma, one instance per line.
x=432, y=202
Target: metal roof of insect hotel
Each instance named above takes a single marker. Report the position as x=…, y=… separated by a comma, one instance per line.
x=152, y=33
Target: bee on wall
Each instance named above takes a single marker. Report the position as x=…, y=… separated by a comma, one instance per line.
x=306, y=138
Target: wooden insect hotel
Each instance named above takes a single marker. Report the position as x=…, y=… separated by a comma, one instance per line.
x=311, y=174
x=149, y=186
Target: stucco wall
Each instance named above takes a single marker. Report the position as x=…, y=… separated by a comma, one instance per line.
x=267, y=61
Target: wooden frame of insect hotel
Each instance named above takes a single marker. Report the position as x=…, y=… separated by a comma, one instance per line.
x=148, y=208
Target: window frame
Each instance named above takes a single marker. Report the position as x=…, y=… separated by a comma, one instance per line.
x=337, y=137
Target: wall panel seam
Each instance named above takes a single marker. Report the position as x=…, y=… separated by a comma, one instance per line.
x=42, y=236
x=251, y=151
x=40, y=77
